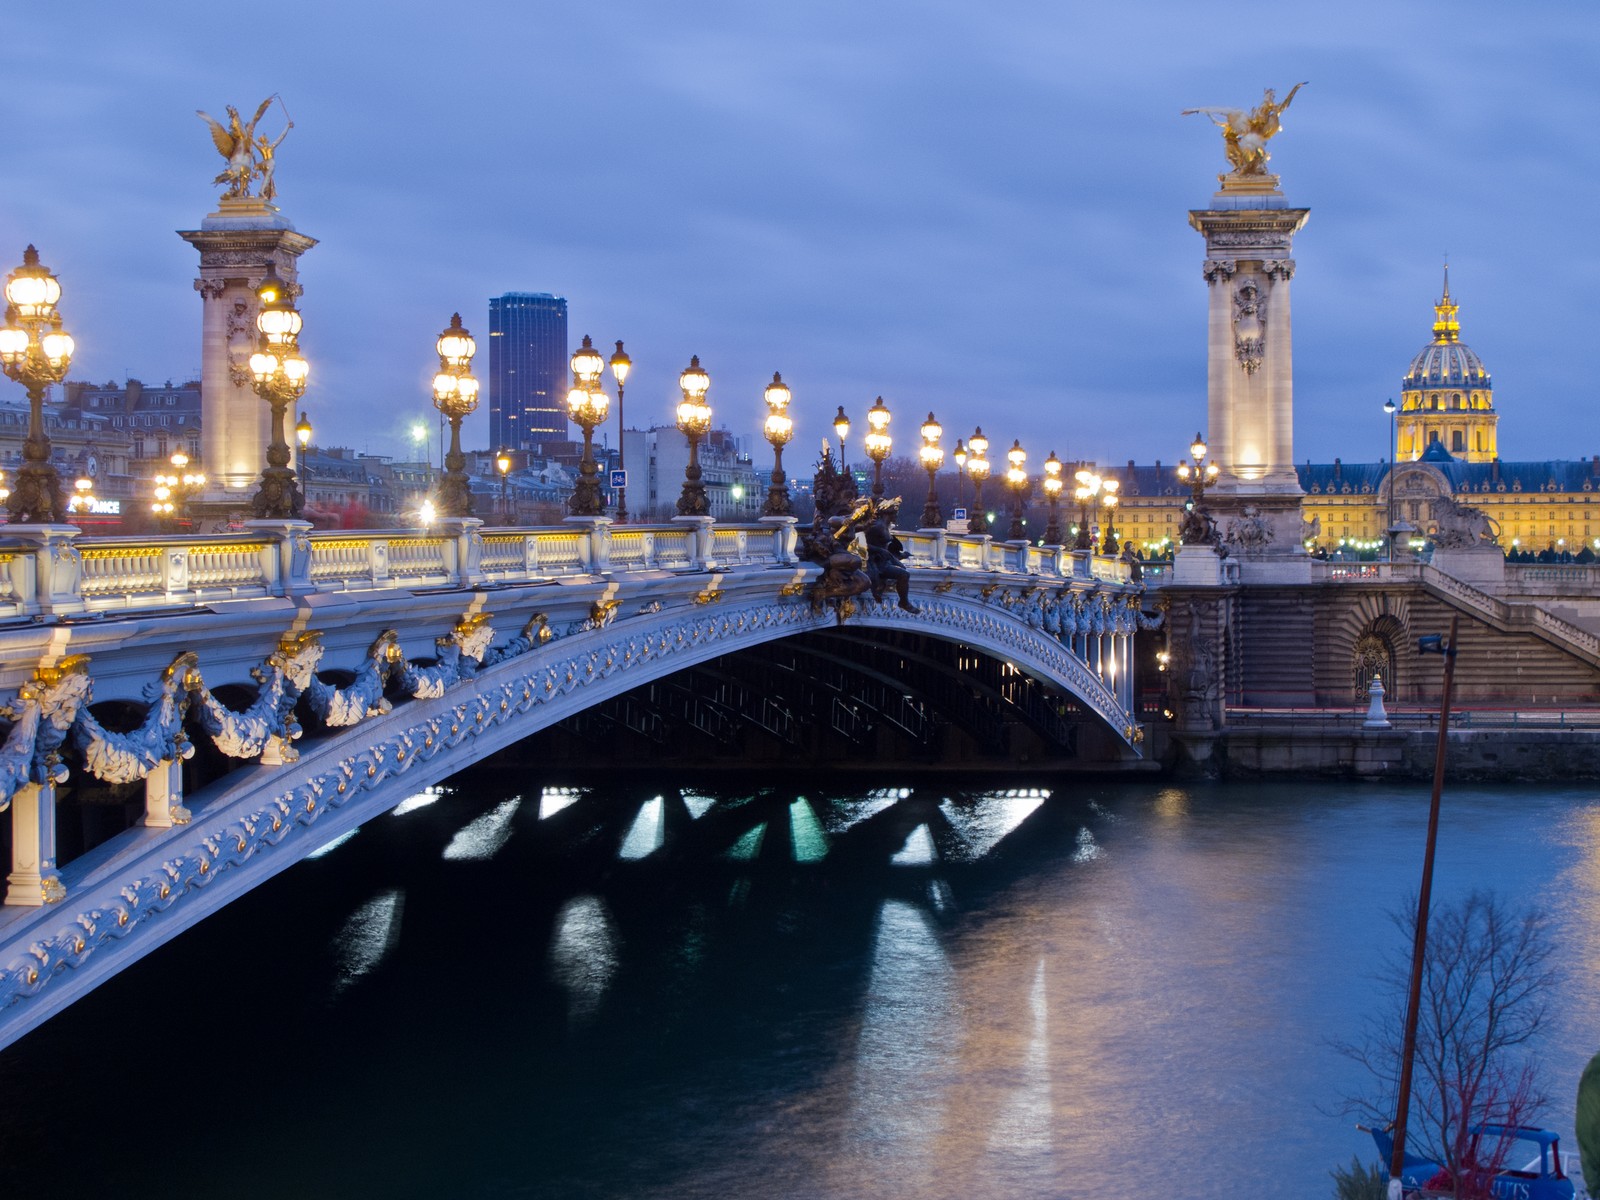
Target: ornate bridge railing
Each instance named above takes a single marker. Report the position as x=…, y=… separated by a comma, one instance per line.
x=50, y=572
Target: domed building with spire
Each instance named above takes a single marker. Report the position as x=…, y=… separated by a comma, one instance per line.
x=1446, y=397
x=1447, y=449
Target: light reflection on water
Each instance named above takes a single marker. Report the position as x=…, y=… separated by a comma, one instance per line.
x=367, y=937
x=1118, y=991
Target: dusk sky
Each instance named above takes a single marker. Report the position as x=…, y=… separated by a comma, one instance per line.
x=974, y=209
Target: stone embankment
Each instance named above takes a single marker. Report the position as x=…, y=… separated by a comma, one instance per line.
x=1527, y=751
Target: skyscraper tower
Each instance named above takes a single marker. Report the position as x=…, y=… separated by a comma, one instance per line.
x=527, y=369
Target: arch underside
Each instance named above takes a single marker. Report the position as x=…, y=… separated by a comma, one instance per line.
x=124, y=900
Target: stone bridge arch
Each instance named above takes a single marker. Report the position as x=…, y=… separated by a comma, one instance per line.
x=259, y=819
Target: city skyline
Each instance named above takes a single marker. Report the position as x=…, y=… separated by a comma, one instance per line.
x=806, y=192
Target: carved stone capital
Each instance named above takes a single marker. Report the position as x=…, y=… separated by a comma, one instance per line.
x=210, y=289
x=1219, y=268
x=1278, y=268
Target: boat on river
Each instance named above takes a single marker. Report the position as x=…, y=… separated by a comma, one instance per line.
x=1544, y=1177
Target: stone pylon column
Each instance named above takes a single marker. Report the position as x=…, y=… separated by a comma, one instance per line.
x=236, y=242
x=1249, y=231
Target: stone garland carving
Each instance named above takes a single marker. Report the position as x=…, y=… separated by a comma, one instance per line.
x=210, y=851
x=461, y=653
x=285, y=674
x=126, y=757
x=338, y=707
x=1249, y=327
x=536, y=633
x=16, y=756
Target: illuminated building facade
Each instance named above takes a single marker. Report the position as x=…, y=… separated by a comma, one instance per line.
x=1448, y=449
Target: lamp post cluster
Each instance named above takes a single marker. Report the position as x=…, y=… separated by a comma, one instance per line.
x=1052, y=484
x=279, y=374
x=502, y=464
x=35, y=351
x=932, y=459
x=621, y=364
x=82, y=499
x=779, y=428
x=455, y=395
x=977, y=471
x=1092, y=492
x=1017, y=481
x=172, y=491
x=878, y=443
x=694, y=421
x=302, y=437
x=587, y=404
x=1197, y=528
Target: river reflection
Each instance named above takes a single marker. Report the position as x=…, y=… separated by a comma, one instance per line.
x=600, y=990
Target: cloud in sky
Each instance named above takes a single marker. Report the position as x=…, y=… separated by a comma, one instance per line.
x=978, y=210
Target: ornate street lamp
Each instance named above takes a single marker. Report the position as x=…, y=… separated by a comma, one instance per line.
x=455, y=395
x=279, y=374
x=1087, y=494
x=978, y=470
x=1017, y=481
x=1199, y=475
x=587, y=404
x=621, y=364
x=302, y=435
x=82, y=499
x=959, y=457
x=779, y=429
x=1109, y=487
x=932, y=459
x=1052, y=493
x=1394, y=452
x=35, y=352
x=694, y=419
x=172, y=491
x=502, y=463
x=841, y=427
x=878, y=443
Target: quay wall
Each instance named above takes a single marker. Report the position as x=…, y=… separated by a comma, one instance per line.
x=1472, y=755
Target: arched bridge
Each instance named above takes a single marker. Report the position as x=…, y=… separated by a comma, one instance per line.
x=406, y=656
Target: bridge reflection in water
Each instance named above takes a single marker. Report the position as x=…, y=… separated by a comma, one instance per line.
x=1092, y=994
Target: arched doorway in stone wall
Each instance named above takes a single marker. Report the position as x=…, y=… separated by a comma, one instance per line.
x=1374, y=655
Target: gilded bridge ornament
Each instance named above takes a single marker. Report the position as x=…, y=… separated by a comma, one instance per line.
x=250, y=155
x=1245, y=134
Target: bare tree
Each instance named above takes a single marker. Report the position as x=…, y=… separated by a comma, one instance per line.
x=1486, y=983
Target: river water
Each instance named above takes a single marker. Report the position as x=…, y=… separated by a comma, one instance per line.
x=900, y=987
